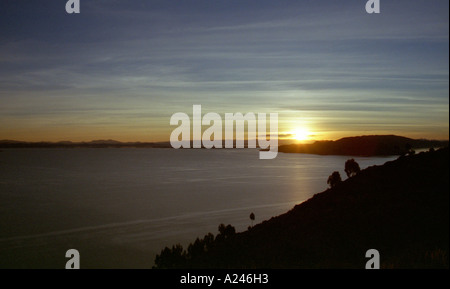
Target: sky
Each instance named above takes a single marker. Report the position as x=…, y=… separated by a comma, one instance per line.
x=120, y=69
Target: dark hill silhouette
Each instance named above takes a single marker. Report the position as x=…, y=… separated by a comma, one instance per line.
x=363, y=146
x=401, y=209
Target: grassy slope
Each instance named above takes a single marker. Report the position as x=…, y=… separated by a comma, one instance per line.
x=400, y=209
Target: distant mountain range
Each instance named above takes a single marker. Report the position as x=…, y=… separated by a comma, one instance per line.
x=96, y=144
x=91, y=144
x=372, y=145
x=351, y=146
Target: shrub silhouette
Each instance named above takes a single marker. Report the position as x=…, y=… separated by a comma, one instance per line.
x=225, y=232
x=409, y=150
x=176, y=257
x=252, y=217
x=171, y=258
x=196, y=249
x=351, y=168
x=334, y=179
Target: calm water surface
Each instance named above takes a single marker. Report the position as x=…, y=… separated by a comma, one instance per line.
x=120, y=207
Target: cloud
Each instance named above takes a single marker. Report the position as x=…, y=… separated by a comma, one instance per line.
x=313, y=57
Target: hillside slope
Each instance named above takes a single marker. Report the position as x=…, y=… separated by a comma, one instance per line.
x=401, y=209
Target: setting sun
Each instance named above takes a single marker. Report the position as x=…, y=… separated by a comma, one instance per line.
x=300, y=134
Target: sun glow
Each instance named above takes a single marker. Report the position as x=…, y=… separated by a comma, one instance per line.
x=300, y=134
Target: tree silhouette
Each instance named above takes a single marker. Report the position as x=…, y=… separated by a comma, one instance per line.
x=225, y=232
x=351, y=168
x=208, y=240
x=334, y=179
x=196, y=249
x=171, y=258
x=252, y=217
x=408, y=147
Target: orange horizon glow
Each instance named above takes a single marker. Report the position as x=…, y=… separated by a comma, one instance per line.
x=291, y=129
x=297, y=135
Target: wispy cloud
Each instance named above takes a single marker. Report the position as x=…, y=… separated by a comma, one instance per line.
x=140, y=61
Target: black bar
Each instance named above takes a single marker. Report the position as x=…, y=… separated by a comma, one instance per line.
x=230, y=278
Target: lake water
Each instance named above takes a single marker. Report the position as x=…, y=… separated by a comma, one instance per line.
x=120, y=207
